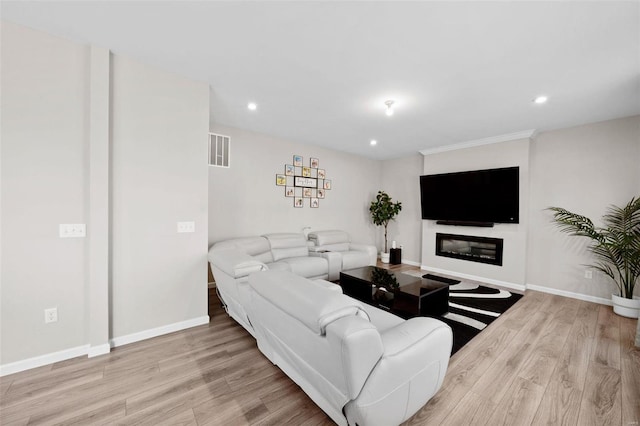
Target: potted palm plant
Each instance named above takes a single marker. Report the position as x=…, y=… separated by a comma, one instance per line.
x=616, y=247
x=383, y=210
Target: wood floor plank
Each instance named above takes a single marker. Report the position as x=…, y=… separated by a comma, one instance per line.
x=601, y=401
x=573, y=364
x=186, y=418
x=50, y=382
x=606, y=349
x=630, y=369
x=560, y=405
x=519, y=405
x=539, y=366
x=472, y=409
x=154, y=414
x=496, y=380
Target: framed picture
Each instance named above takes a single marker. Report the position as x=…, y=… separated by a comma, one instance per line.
x=281, y=180
x=289, y=170
x=321, y=174
x=297, y=160
x=297, y=171
x=313, y=162
x=305, y=182
x=320, y=193
x=327, y=184
x=320, y=183
x=314, y=203
x=297, y=202
x=306, y=192
x=306, y=172
x=289, y=191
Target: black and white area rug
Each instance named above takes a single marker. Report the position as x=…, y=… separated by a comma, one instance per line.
x=472, y=307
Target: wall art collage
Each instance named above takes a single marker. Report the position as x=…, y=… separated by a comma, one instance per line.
x=304, y=182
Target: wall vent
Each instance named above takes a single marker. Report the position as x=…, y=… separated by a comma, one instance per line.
x=219, y=150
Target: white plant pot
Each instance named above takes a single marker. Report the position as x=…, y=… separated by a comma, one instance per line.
x=629, y=308
x=384, y=257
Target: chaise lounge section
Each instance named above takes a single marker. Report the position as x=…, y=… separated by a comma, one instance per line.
x=360, y=364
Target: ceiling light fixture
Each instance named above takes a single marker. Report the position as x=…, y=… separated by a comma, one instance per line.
x=252, y=106
x=389, y=110
x=540, y=100
x=373, y=142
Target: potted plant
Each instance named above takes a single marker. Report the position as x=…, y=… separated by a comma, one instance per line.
x=616, y=246
x=383, y=210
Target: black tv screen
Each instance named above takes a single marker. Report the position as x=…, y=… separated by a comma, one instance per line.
x=490, y=196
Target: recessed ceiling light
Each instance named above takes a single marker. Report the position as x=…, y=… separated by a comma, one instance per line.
x=373, y=142
x=540, y=100
x=252, y=106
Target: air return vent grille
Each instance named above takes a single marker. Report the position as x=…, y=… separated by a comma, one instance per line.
x=219, y=150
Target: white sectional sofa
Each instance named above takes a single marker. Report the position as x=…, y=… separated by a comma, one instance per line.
x=360, y=364
x=321, y=258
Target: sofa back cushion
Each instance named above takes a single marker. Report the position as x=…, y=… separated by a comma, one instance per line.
x=257, y=247
x=287, y=245
x=323, y=238
x=313, y=305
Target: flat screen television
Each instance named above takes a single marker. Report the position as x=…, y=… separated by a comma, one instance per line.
x=487, y=196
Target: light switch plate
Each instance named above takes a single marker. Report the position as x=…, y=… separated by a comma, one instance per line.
x=186, y=227
x=73, y=230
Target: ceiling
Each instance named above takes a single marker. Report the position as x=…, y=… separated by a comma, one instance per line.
x=321, y=71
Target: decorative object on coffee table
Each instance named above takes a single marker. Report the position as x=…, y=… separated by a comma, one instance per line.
x=616, y=246
x=383, y=210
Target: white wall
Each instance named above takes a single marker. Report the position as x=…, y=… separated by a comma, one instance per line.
x=583, y=169
x=159, y=124
x=159, y=154
x=245, y=201
x=44, y=129
x=504, y=154
x=401, y=180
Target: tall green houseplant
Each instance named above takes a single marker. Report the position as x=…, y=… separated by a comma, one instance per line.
x=383, y=210
x=616, y=245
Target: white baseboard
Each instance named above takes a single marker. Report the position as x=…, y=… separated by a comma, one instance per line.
x=39, y=361
x=159, y=331
x=411, y=262
x=91, y=351
x=98, y=350
x=586, y=298
x=519, y=287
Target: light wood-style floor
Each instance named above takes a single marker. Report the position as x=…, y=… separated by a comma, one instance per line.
x=548, y=360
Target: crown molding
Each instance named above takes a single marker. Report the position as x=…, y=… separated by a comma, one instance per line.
x=525, y=134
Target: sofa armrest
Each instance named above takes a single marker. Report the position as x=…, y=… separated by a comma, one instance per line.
x=407, y=334
x=235, y=263
x=412, y=368
x=371, y=251
x=334, y=259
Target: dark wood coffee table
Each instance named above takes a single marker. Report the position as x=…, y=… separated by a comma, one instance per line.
x=404, y=295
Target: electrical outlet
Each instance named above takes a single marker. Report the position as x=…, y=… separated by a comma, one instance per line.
x=588, y=274
x=50, y=315
x=186, y=227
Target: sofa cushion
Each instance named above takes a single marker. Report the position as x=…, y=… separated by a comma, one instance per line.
x=354, y=259
x=321, y=238
x=307, y=266
x=287, y=245
x=301, y=303
x=257, y=247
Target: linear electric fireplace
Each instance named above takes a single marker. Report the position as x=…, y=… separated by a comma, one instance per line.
x=468, y=247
